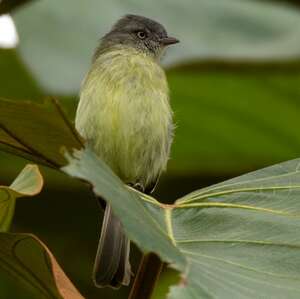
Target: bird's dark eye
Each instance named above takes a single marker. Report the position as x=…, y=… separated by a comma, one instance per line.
x=141, y=34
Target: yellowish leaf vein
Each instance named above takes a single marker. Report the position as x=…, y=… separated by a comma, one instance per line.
x=168, y=220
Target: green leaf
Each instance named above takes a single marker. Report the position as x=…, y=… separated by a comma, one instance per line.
x=33, y=267
x=234, y=117
x=16, y=82
x=250, y=121
x=231, y=117
x=237, y=239
x=36, y=131
x=28, y=183
x=59, y=52
x=111, y=188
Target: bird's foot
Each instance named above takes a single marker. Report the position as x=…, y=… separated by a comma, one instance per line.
x=137, y=186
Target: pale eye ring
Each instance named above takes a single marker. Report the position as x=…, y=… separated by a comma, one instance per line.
x=141, y=34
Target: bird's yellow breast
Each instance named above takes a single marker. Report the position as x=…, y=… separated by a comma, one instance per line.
x=124, y=113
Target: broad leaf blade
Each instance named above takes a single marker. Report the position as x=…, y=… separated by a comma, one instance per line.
x=245, y=102
x=28, y=183
x=16, y=82
x=216, y=29
x=238, y=239
x=36, y=131
x=232, y=129
x=34, y=268
x=107, y=185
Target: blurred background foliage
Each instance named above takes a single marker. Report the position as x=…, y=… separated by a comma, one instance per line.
x=235, y=91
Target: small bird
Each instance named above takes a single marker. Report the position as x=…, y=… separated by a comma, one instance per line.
x=125, y=115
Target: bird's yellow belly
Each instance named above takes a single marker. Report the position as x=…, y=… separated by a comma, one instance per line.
x=133, y=139
x=126, y=117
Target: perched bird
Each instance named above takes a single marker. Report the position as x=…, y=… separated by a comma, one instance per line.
x=124, y=113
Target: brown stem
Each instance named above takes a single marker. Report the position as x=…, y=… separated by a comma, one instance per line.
x=148, y=273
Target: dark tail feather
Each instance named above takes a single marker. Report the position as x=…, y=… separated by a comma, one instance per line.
x=112, y=267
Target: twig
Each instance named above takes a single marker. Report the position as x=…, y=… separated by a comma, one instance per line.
x=148, y=273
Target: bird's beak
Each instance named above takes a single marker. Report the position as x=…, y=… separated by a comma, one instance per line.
x=166, y=41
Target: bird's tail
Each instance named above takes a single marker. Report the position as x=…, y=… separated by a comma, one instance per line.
x=112, y=267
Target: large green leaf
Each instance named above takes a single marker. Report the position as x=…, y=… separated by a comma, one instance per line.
x=237, y=239
x=58, y=50
x=251, y=120
x=232, y=118
x=36, y=131
x=28, y=183
x=34, y=269
x=16, y=82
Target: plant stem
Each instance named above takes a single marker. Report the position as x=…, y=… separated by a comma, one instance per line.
x=148, y=273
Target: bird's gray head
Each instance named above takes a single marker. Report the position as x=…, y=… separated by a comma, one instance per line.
x=140, y=33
